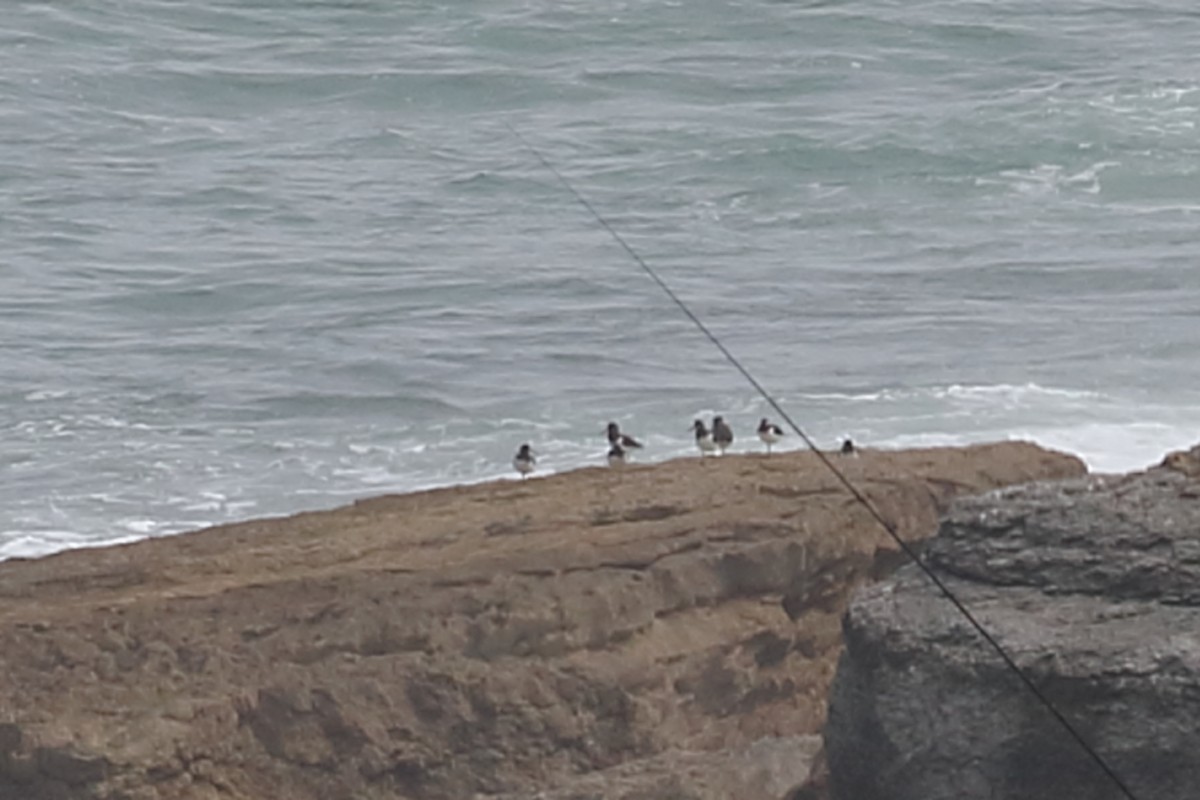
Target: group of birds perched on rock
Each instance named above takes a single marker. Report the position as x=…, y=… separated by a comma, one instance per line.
x=715, y=439
x=619, y=445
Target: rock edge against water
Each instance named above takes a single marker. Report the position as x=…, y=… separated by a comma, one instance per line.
x=1093, y=586
x=663, y=633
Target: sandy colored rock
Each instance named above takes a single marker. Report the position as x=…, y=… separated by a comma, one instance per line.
x=662, y=631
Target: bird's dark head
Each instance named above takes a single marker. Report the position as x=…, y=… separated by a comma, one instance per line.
x=717, y=421
x=525, y=451
x=612, y=428
x=698, y=426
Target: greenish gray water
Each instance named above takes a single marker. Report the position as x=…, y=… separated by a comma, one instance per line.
x=266, y=256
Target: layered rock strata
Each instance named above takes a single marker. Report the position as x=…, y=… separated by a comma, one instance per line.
x=653, y=632
x=1093, y=586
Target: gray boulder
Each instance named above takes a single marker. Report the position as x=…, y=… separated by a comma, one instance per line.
x=1093, y=587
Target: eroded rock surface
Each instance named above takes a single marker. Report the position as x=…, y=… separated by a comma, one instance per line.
x=1093, y=586
x=655, y=632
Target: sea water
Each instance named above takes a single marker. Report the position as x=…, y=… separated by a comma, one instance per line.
x=265, y=256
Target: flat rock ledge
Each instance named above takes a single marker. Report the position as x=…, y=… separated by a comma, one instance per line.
x=664, y=632
x=1093, y=586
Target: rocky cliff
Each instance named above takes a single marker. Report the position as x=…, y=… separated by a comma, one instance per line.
x=658, y=632
x=1093, y=586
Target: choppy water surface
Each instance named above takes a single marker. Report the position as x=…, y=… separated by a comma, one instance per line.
x=265, y=256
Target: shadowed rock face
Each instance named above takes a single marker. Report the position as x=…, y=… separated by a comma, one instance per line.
x=644, y=634
x=1093, y=586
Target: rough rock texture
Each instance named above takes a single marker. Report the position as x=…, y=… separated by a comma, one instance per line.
x=1093, y=586
x=656, y=632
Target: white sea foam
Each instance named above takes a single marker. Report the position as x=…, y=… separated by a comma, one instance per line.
x=1116, y=447
x=205, y=507
x=37, y=543
x=1009, y=394
x=46, y=394
x=1027, y=392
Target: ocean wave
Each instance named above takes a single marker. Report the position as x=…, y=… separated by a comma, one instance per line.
x=1021, y=392
x=1049, y=179
x=255, y=271
x=1027, y=392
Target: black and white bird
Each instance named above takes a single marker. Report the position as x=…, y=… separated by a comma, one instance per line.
x=848, y=448
x=616, y=437
x=616, y=455
x=524, y=461
x=704, y=438
x=722, y=434
x=769, y=433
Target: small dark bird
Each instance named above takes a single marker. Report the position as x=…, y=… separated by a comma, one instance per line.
x=770, y=434
x=616, y=456
x=848, y=448
x=722, y=434
x=524, y=461
x=616, y=437
x=704, y=438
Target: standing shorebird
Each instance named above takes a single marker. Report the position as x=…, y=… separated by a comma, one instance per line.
x=524, y=461
x=722, y=434
x=704, y=438
x=848, y=448
x=770, y=434
x=615, y=437
x=616, y=455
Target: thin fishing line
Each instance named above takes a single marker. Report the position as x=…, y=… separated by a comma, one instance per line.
x=841, y=477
